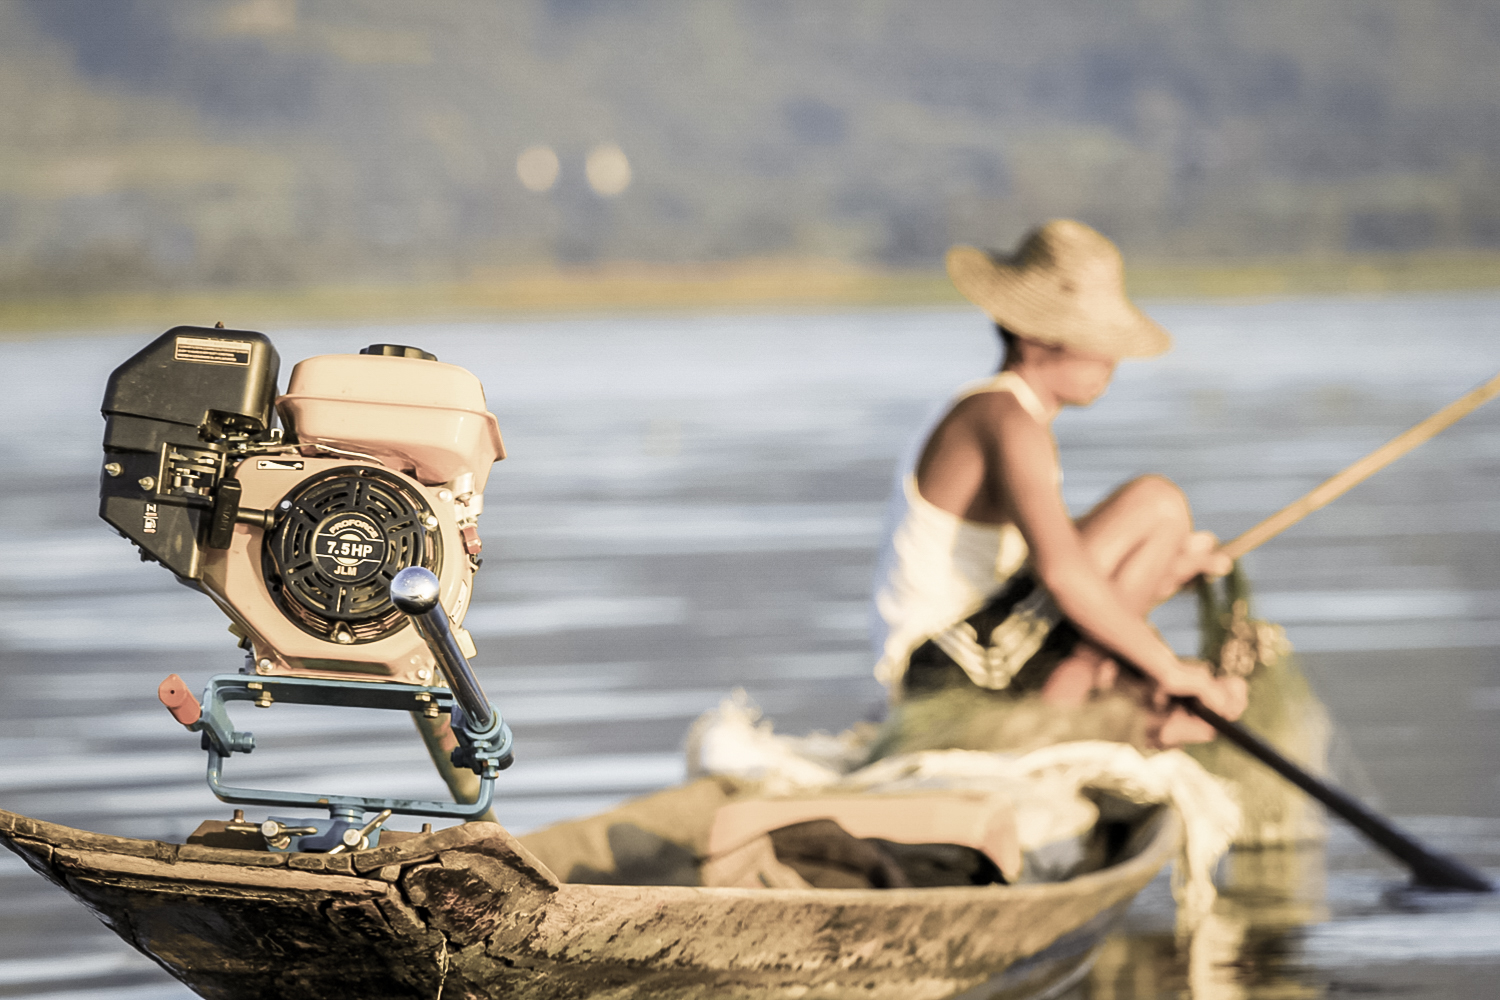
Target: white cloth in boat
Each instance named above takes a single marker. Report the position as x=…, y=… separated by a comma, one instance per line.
x=1046, y=787
x=937, y=569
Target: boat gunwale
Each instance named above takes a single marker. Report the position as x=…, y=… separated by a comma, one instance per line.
x=72, y=844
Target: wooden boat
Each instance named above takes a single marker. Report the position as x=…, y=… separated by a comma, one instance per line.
x=473, y=912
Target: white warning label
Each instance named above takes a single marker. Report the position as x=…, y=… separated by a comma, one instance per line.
x=211, y=351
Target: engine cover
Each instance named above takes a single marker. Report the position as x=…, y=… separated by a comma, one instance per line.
x=311, y=595
x=339, y=539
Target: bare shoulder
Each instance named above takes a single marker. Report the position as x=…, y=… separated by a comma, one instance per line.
x=1016, y=446
x=986, y=445
x=993, y=416
x=979, y=428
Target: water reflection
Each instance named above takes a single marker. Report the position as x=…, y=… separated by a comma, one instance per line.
x=1313, y=921
x=1241, y=951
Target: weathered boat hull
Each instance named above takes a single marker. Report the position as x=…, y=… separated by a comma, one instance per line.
x=469, y=912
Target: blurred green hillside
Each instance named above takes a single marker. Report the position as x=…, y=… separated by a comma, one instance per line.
x=195, y=147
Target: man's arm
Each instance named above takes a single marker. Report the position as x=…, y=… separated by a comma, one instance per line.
x=1019, y=454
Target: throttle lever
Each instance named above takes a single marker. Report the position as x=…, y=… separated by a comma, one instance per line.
x=484, y=738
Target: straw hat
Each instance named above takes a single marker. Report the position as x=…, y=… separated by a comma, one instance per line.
x=1064, y=286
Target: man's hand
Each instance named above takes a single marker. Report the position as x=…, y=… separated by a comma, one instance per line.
x=1216, y=562
x=1200, y=556
x=1228, y=696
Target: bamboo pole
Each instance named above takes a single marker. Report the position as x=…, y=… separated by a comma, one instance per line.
x=1338, y=485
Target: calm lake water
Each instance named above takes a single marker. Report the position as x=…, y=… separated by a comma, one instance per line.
x=692, y=504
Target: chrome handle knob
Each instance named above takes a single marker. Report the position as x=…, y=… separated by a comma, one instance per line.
x=414, y=590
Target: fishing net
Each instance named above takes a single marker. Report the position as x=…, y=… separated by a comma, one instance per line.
x=1283, y=710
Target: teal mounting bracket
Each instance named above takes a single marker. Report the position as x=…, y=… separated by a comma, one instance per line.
x=490, y=752
x=484, y=740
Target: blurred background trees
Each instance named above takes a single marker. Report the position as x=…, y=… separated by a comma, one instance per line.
x=161, y=145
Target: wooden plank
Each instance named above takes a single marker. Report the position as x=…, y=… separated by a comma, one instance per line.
x=100, y=865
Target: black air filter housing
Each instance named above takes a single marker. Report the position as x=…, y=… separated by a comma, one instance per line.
x=167, y=413
x=340, y=537
x=189, y=379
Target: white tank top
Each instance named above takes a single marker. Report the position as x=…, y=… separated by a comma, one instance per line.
x=938, y=568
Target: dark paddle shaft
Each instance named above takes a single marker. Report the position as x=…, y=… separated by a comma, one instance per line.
x=1429, y=870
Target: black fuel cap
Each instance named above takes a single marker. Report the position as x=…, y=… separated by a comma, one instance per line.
x=399, y=351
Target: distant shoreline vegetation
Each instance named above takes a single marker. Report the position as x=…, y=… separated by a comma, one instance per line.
x=750, y=286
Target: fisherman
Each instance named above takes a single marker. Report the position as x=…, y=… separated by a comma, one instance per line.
x=987, y=582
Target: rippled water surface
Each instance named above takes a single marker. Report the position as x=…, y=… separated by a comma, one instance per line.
x=692, y=504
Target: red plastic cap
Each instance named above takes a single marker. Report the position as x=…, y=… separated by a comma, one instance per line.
x=174, y=694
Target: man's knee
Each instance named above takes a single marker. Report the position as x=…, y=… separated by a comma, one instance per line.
x=1160, y=499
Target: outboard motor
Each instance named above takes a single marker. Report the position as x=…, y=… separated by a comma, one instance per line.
x=342, y=545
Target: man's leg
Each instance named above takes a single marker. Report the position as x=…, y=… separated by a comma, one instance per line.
x=1141, y=537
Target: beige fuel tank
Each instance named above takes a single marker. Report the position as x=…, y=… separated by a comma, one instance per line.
x=425, y=418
